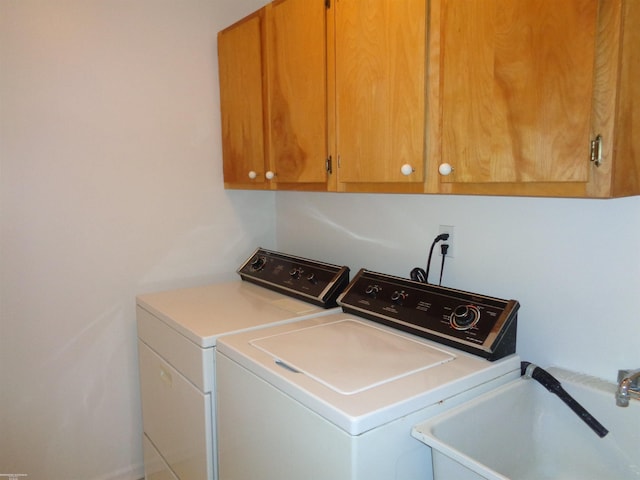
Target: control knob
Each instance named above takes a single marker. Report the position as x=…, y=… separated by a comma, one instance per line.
x=464, y=317
x=258, y=264
x=373, y=290
x=398, y=297
x=295, y=272
x=312, y=278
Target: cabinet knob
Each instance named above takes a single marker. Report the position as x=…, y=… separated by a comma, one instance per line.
x=406, y=169
x=269, y=175
x=252, y=175
x=445, y=169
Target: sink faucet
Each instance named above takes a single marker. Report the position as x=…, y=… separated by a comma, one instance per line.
x=628, y=386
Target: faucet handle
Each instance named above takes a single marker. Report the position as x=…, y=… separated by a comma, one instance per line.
x=628, y=386
x=633, y=375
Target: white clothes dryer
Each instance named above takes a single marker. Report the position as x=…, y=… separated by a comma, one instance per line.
x=335, y=397
x=177, y=335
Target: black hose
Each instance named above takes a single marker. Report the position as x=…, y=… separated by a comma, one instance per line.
x=554, y=386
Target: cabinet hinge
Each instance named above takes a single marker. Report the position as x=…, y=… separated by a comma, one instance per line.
x=596, y=151
x=329, y=166
x=327, y=4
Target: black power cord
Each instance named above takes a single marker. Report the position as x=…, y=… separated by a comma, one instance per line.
x=443, y=249
x=420, y=275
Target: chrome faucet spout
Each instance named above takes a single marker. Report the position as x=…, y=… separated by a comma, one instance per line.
x=628, y=386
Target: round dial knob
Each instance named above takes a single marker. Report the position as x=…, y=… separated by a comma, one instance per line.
x=258, y=263
x=445, y=169
x=270, y=175
x=295, y=272
x=464, y=317
x=312, y=278
x=406, y=169
x=253, y=175
x=398, y=296
x=373, y=290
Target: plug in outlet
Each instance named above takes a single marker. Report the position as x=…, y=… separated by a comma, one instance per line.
x=451, y=241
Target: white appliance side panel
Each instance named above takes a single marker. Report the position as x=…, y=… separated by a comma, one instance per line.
x=263, y=434
x=191, y=360
x=176, y=417
x=155, y=468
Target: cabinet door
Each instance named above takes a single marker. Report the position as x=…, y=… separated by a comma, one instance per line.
x=297, y=91
x=380, y=64
x=240, y=61
x=517, y=79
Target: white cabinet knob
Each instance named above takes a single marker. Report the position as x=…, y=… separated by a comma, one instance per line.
x=269, y=175
x=445, y=169
x=406, y=169
x=252, y=175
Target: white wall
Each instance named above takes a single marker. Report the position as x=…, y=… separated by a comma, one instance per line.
x=110, y=185
x=574, y=265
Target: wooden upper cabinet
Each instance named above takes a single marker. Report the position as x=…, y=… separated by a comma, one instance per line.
x=522, y=87
x=241, y=71
x=297, y=92
x=377, y=95
x=378, y=53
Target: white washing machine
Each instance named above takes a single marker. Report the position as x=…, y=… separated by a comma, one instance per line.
x=335, y=397
x=177, y=335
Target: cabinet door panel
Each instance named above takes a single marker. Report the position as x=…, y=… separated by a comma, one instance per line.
x=380, y=58
x=517, y=89
x=297, y=91
x=241, y=100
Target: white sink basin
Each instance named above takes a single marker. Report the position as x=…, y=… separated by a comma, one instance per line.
x=522, y=431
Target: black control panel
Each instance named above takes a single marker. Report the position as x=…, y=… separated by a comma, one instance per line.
x=309, y=280
x=477, y=324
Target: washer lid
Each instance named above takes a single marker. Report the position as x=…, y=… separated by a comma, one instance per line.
x=350, y=356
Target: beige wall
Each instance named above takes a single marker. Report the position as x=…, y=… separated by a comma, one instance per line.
x=110, y=185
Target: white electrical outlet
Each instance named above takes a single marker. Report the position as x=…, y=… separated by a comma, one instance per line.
x=450, y=241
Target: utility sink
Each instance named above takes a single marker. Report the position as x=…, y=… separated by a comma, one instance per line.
x=522, y=431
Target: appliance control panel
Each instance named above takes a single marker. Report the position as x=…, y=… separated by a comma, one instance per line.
x=477, y=324
x=309, y=280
